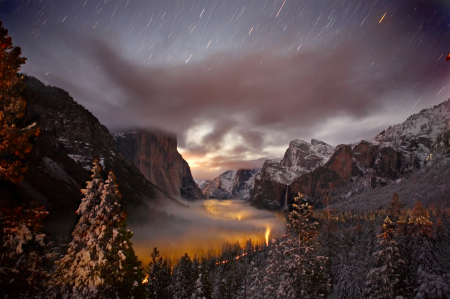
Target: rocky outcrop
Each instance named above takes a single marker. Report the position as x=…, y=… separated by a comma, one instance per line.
x=60, y=161
x=338, y=169
x=377, y=162
x=232, y=184
x=300, y=158
x=155, y=154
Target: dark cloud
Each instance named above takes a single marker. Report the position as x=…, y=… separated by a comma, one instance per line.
x=259, y=91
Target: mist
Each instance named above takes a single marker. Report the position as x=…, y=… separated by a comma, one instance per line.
x=204, y=227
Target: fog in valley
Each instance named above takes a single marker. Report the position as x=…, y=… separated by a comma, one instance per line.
x=204, y=227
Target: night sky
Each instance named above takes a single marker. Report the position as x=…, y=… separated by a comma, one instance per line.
x=236, y=80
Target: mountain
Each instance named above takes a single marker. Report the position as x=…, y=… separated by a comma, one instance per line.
x=156, y=155
x=60, y=161
x=202, y=184
x=301, y=157
x=231, y=184
x=400, y=150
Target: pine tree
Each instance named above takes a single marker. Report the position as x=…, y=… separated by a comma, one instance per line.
x=425, y=273
x=395, y=208
x=158, y=275
x=14, y=140
x=296, y=271
x=382, y=280
x=183, y=279
x=100, y=261
x=203, y=286
x=23, y=249
x=256, y=285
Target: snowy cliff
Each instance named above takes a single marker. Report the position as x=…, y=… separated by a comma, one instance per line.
x=301, y=157
x=231, y=184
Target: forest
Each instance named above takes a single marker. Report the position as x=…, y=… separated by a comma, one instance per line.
x=394, y=252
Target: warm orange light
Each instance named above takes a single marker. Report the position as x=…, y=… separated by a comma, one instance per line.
x=267, y=235
x=145, y=279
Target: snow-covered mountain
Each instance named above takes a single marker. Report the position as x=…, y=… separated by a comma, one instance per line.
x=301, y=157
x=419, y=131
x=202, y=183
x=231, y=184
x=395, y=152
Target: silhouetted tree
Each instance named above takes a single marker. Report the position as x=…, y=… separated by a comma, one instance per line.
x=14, y=140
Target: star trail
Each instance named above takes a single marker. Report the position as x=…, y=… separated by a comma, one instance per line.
x=236, y=80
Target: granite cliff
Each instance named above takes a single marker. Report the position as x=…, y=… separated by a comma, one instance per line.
x=270, y=190
x=155, y=154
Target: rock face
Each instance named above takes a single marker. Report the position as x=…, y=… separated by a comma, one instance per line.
x=157, y=157
x=232, y=184
x=202, y=184
x=60, y=162
x=390, y=155
x=442, y=144
x=270, y=189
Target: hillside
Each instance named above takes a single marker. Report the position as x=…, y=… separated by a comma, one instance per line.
x=59, y=163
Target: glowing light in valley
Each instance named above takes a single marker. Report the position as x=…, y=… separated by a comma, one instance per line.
x=280, y=9
x=145, y=279
x=267, y=235
x=208, y=225
x=382, y=17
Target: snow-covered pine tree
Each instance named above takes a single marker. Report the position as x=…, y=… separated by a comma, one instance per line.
x=203, y=286
x=297, y=271
x=23, y=252
x=425, y=272
x=100, y=261
x=182, y=280
x=158, y=274
x=273, y=272
x=382, y=280
x=256, y=286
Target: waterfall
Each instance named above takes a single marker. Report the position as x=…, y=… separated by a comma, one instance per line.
x=286, y=197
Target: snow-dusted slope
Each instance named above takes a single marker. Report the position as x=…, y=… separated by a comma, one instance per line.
x=202, y=184
x=231, y=184
x=300, y=158
x=419, y=131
